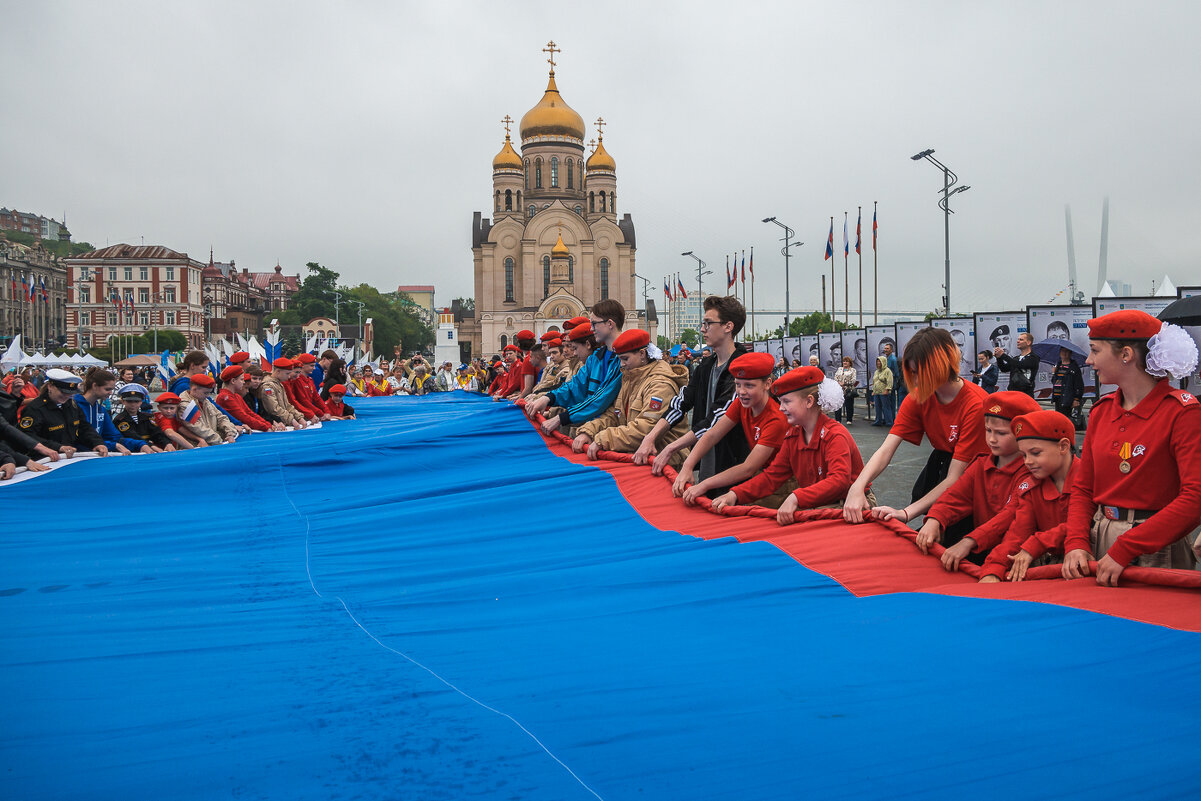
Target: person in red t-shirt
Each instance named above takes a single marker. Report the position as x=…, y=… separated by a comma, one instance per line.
x=944, y=409
x=1047, y=440
x=339, y=409
x=818, y=452
x=304, y=387
x=167, y=418
x=1137, y=492
x=231, y=399
x=512, y=373
x=756, y=411
x=526, y=373
x=983, y=493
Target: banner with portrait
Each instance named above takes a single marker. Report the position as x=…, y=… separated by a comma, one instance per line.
x=963, y=331
x=905, y=331
x=829, y=352
x=1060, y=322
x=1102, y=306
x=759, y=346
x=809, y=347
x=854, y=344
x=776, y=348
x=792, y=352
x=999, y=330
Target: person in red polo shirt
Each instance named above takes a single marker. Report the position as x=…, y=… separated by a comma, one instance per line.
x=944, y=409
x=338, y=408
x=1047, y=440
x=511, y=355
x=230, y=398
x=1137, y=492
x=305, y=389
x=985, y=489
x=526, y=374
x=758, y=414
x=818, y=452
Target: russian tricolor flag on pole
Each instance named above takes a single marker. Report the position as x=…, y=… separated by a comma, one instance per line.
x=858, y=225
x=830, y=241
x=680, y=288
x=666, y=288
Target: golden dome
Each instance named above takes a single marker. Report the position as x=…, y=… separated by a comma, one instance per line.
x=559, y=251
x=552, y=117
x=600, y=160
x=507, y=158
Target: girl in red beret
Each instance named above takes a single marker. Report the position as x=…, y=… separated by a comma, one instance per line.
x=1137, y=492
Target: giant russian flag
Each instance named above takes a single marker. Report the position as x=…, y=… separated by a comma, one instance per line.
x=431, y=602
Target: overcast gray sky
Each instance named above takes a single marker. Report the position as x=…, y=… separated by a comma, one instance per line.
x=361, y=135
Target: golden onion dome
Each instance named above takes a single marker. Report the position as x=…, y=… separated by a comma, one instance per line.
x=560, y=251
x=552, y=117
x=507, y=158
x=600, y=160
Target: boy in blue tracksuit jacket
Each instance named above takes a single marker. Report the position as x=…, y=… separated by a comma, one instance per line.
x=99, y=418
x=593, y=389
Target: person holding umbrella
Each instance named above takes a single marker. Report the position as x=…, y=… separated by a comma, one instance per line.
x=1067, y=386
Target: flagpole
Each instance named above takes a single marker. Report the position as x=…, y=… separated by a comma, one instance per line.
x=833, y=277
x=859, y=252
x=846, y=272
x=752, y=291
x=875, y=271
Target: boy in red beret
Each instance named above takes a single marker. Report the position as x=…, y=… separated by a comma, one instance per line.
x=302, y=393
x=1137, y=493
x=167, y=419
x=647, y=384
x=526, y=375
x=984, y=491
x=757, y=413
x=232, y=400
x=336, y=405
x=817, y=451
x=1047, y=440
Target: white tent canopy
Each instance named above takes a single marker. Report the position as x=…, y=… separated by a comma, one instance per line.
x=1166, y=289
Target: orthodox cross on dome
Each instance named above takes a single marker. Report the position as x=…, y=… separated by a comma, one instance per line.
x=592, y=144
x=550, y=48
x=507, y=121
x=600, y=127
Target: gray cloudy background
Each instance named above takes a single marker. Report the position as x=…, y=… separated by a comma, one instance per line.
x=360, y=135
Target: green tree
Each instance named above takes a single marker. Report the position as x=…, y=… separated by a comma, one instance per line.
x=168, y=339
x=664, y=343
x=690, y=337
x=396, y=320
x=315, y=298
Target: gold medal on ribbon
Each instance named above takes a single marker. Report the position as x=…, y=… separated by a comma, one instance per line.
x=1124, y=466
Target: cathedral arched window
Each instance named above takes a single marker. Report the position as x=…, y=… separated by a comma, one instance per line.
x=570, y=174
x=604, y=279
x=532, y=209
x=545, y=276
x=613, y=202
x=579, y=210
x=591, y=202
x=554, y=171
x=508, y=200
x=538, y=173
x=571, y=269
x=504, y=340
x=581, y=173
x=602, y=199
x=527, y=173
x=498, y=200
x=509, y=280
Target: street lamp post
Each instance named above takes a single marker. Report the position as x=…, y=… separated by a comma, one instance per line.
x=360, y=304
x=788, y=234
x=949, y=179
x=700, y=294
x=645, y=285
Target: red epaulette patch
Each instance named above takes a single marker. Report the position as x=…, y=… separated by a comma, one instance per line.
x=1186, y=398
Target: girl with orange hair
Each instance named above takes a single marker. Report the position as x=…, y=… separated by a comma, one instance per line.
x=944, y=409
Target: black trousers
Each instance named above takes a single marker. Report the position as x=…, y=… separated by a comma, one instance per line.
x=931, y=476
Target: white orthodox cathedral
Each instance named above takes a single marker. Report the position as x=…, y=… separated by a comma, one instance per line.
x=555, y=244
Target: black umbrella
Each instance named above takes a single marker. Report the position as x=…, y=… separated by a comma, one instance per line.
x=1048, y=351
x=1186, y=311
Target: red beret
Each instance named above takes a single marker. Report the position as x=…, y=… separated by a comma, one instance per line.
x=512, y=348
x=203, y=380
x=231, y=372
x=1008, y=405
x=1124, y=324
x=167, y=397
x=337, y=388
x=631, y=340
x=581, y=331
x=752, y=365
x=525, y=334
x=239, y=357
x=549, y=335
x=282, y=361
x=574, y=321
x=306, y=358
x=800, y=378
x=1045, y=424
x=554, y=343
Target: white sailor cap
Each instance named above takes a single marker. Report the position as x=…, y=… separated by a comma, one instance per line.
x=62, y=377
x=133, y=390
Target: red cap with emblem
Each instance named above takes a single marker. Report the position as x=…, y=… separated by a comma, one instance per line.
x=203, y=380
x=525, y=334
x=549, y=335
x=512, y=349
x=574, y=321
x=239, y=357
x=1008, y=405
x=167, y=397
x=753, y=365
x=793, y=380
x=231, y=372
x=283, y=362
x=631, y=340
x=1124, y=324
x=337, y=389
x=581, y=331
x=306, y=358
x=1046, y=424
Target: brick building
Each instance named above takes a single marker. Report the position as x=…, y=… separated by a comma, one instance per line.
x=42, y=322
x=158, y=287
x=35, y=224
